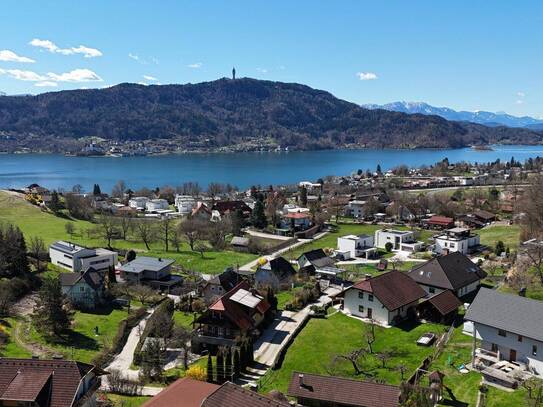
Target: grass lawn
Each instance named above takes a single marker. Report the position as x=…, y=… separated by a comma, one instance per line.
x=508, y=234
x=465, y=386
x=127, y=401
x=183, y=319
x=82, y=343
x=339, y=334
x=35, y=222
x=12, y=349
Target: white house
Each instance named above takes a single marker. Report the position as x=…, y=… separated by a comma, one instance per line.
x=352, y=246
x=78, y=258
x=138, y=202
x=185, y=204
x=509, y=326
x=156, y=205
x=356, y=208
x=400, y=239
x=386, y=298
x=456, y=240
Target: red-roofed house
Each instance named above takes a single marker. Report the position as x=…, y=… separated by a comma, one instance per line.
x=440, y=222
x=387, y=298
x=238, y=312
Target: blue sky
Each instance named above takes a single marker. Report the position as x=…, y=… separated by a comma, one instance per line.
x=464, y=54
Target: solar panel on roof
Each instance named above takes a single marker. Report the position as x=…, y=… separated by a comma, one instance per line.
x=244, y=297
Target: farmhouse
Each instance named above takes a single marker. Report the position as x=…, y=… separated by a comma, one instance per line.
x=387, y=298
x=78, y=258
x=453, y=272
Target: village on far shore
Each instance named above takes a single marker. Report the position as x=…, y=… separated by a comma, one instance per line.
x=406, y=287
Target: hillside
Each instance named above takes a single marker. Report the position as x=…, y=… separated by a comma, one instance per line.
x=227, y=112
x=480, y=117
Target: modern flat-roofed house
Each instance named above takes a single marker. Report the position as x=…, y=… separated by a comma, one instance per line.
x=457, y=240
x=387, y=298
x=328, y=391
x=352, y=246
x=152, y=271
x=403, y=240
x=138, y=202
x=510, y=327
x=48, y=383
x=185, y=204
x=85, y=289
x=237, y=313
x=78, y=258
x=154, y=205
x=454, y=272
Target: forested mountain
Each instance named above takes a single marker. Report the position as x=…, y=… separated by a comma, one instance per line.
x=235, y=112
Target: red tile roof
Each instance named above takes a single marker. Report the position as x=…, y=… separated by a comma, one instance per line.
x=445, y=302
x=297, y=215
x=393, y=289
x=340, y=391
x=231, y=395
x=187, y=391
x=440, y=220
x=24, y=379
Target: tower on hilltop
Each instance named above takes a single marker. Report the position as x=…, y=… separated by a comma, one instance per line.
x=233, y=73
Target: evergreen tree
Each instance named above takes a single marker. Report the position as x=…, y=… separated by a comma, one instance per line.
x=228, y=364
x=378, y=171
x=237, y=363
x=96, y=190
x=54, y=205
x=152, y=360
x=209, y=369
x=220, y=367
x=258, y=216
x=237, y=222
x=51, y=316
x=13, y=260
x=303, y=196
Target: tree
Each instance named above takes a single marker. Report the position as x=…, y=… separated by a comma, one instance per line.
x=214, y=189
x=126, y=223
x=237, y=363
x=228, y=364
x=194, y=230
x=130, y=255
x=303, y=196
x=180, y=339
x=402, y=369
x=165, y=230
x=77, y=189
x=145, y=232
x=142, y=292
x=368, y=333
x=54, y=204
x=274, y=203
x=78, y=206
x=13, y=253
x=388, y=247
x=37, y=249
x=237, y=221
x=500, y=248
x=152, y=359
x=220, y=366
x=52, y=316
x=258, y=216
x=217, y=233
x=209, y=369
x=107, y=227
x=6, y=299
x=353, y=357
x=532, y=257
x=118, y=190
x=175, y=239
x=70, y=229
x=384, y=356
x=378, y=170
x=96, y=190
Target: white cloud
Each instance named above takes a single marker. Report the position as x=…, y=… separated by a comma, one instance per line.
x=77, y=75
x=133, y=56
x=21, y=75
x=46, y=84
x=366, y=76
x=150, y=78
x=519, y=102
x=52, y=47
x=195, y=65
x=9, y=56
x=521, y=94
x=262, y=70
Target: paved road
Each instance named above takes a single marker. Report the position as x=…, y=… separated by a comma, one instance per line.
x=266, y=235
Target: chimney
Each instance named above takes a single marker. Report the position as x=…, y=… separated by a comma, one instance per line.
x=301, y=380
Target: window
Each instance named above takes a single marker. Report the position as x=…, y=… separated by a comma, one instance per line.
x=494, y=348
x=519, y=338
x=360, y=295
x=81, y=289
x=370, y=297
x=501, y=332
x=361, y=309
x=534, y=350
x=431, y=290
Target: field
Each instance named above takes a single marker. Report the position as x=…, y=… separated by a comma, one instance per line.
x=35, y=222
x=340, y=334
x=508, y=234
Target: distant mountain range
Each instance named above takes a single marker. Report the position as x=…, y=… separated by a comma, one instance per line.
x=480, y=117
x=243, y=113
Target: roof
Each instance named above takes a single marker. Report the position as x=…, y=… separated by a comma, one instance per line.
x=67, y=247
x=227, y=279
x=297, y=215
x=445, y=302
x=240, y=241
x=230, y=206
x=91, y=277
x=393, y=289
x=440, y=220
x=231, y=395
x=452, y=271
x=318, y=258
x=484, y=215
x=141, y=264
x=281, y=267
x=191, y=391
x=342, y=391
x=520, y=315
x=24, y=379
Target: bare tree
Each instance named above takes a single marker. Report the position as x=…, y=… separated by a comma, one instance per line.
x=165, y=230
x=141, y=292
x=126, y=224
x=214, y=189
x=532, y=257
x=194, y=230
x=396, y=263
x=175, y=239
x=217, y=233
x=146, y=232
x=118, y=189
x=70, y=229
x=402, y=369
x=180, y=339
x=37, y=249
x=368, y=334
x=107, y=226
x=353, y=357
x=384, y=356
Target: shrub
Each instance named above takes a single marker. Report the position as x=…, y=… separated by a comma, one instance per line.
x=388, y=247
x=197, y=373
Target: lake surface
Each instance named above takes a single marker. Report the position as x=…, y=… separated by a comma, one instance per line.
x=241, y=169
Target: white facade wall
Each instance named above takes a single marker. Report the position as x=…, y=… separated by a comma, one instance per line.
x=444, y=243
x=357, y=209
x=185, y=204
x=101, y=261
x=349, y=244
x=382, y=237
x=459, y=293
x=138, y=202
x=353, y=302
x=523, y=349
x=156, y=205
x=83, y=259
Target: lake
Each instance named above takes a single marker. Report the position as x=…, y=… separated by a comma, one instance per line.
x=240, y=169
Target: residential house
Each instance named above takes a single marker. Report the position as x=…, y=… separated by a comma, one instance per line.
x=220, y=284
x=48, y=383
x=312, y=260
x=151, y=271
x=84, y=289
x=353, y=246
x=356, y=209
x=239, y=312
x=508, y=326
x=277, y=273
x=386, y=298
x=439, y=222
x=314, y=390
x=155, y=205
x=457, y=240
x=138, y=202
x=403, y=240
x=296, y=221
x=232, y=395
x=240, y=243
x=441, y=308
x=454, y=272
x=485, y=216
x=191, y=391
x=228, y=207
x=201, y=211
x=185, y=204
x=78, y=258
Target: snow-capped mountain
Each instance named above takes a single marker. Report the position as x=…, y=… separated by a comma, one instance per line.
x=481, y=117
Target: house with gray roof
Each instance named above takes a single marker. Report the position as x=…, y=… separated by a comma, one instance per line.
x=509, y=327
x=85, y=289
x=152, y=271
